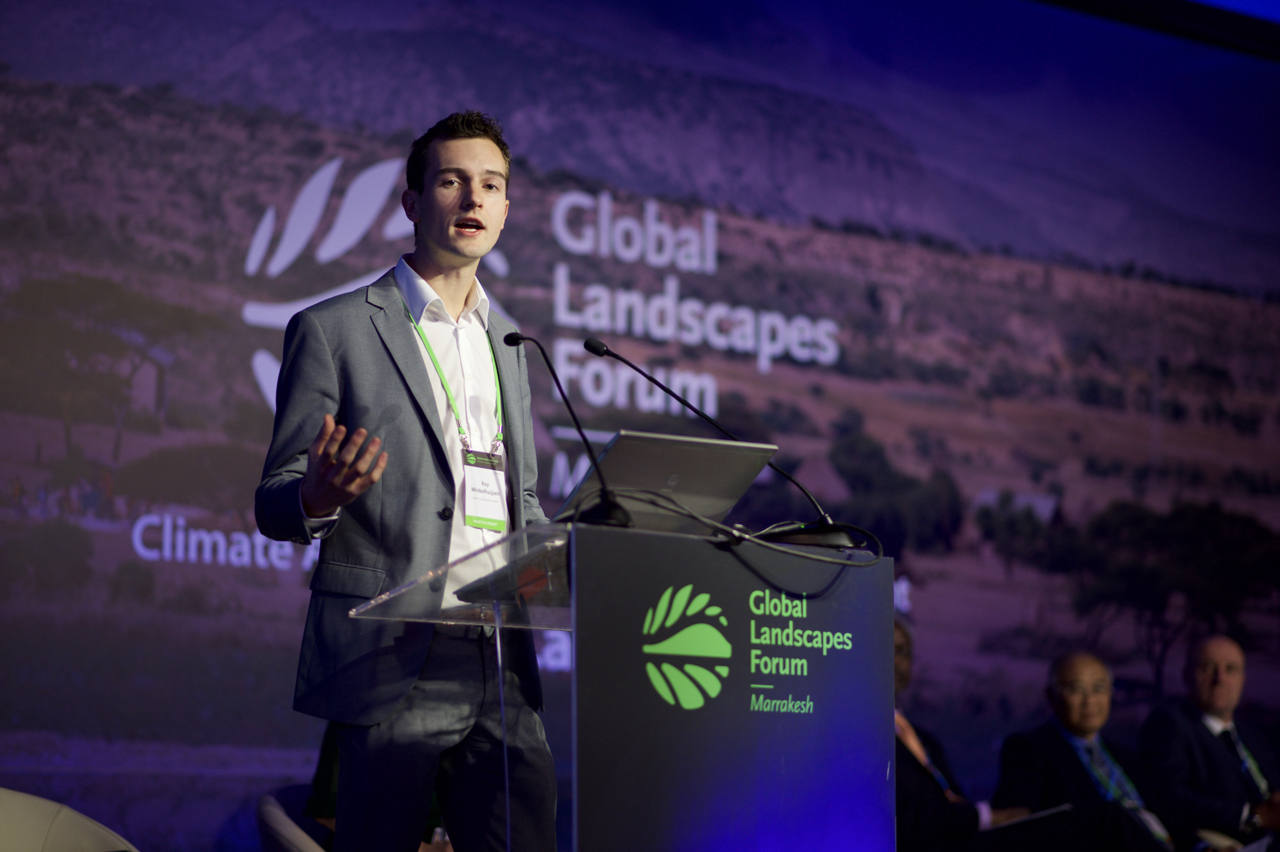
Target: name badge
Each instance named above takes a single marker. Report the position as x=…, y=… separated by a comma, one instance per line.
x=485, y=491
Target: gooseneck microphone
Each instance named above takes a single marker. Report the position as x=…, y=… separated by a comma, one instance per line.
x=824, y=531
x=608, y=512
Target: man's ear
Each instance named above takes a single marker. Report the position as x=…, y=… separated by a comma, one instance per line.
x=409, y=201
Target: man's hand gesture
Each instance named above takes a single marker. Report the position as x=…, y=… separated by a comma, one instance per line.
x=334, y=475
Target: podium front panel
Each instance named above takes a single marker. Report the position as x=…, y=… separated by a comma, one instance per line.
x=720, y=706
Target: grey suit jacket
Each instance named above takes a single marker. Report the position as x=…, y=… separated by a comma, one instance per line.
x=356, y=357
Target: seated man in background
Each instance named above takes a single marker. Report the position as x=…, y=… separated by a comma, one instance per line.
x=1214, y=771
x=932, y=813
x=1067, y=761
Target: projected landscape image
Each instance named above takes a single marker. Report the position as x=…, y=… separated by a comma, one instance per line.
x=1051, y=393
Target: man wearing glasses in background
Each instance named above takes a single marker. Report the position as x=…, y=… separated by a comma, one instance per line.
x=1067, y=761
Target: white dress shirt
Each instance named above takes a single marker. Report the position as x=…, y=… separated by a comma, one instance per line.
x=462, y=348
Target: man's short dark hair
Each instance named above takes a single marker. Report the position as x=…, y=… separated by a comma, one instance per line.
x=469, y=124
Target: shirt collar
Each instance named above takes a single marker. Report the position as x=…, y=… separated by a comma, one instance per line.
x=1215, y=725
x=1072, y=738
x=425, y=303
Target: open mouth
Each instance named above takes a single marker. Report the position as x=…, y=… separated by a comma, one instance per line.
x=469, y=226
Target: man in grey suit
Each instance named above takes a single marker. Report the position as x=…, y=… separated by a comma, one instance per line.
x=386, y=397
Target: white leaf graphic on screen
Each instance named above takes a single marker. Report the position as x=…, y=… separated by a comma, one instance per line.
x=361, y=205
x=261, y=242
x=496, y=262
x=364, y=200
x=266, y=370
x=304, y=217
x=397, y=227
x=278, y=314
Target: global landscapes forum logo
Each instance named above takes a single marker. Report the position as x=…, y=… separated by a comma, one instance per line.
x=696, y=654
x=582, y=225
x=685, y=683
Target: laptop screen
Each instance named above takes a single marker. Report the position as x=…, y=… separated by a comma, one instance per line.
x=706, y=475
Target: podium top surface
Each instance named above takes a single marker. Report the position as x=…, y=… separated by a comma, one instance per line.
x=521, y=580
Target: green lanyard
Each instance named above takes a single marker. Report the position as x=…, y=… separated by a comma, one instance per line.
x=453, y=403
x=1250, y=764
x=1116, y=784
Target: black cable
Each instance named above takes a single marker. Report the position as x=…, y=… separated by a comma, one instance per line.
x=606, y=512
x=598, y=348
x=735, y=536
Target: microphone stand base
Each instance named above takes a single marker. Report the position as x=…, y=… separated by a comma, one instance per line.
x=606, y=513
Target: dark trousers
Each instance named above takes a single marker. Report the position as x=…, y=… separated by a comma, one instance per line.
x=447, y=737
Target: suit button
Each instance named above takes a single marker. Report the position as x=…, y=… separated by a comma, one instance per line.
x=446, y=513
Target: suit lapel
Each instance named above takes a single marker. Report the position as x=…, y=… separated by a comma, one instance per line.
x=509, y=382
x=395, y=327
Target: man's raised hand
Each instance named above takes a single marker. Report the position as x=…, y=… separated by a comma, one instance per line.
x=334, y=475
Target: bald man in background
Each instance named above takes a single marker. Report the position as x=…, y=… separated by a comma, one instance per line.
x=1214, y=771
x=1068, y=761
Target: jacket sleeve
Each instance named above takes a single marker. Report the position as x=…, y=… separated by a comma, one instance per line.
x=306, y=390
x=1021, y=782
x=926, y=819
x=533, y=513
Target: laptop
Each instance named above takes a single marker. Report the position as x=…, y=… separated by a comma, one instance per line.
x=706, y=475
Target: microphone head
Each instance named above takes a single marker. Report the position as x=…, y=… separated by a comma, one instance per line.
x=595, y=347
x=514, y=338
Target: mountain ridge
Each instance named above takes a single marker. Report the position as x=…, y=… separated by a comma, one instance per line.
x=658, y=130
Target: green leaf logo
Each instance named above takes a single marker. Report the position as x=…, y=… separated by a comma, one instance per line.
x=678, y=681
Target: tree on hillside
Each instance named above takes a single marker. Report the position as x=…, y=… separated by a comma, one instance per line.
x=1191, y=570
x=218, y=477
x=1014, y=533
x=48, y=365
x=73, y=345
x=901, y=510
x=54, y=556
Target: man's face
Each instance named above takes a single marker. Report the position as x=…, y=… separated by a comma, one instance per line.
x=1081, y=698
x=1216, y=678
x=902, y=656
x=463, y=203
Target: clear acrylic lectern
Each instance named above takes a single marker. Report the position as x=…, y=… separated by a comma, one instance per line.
x=519, y=581
x=689, y=731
